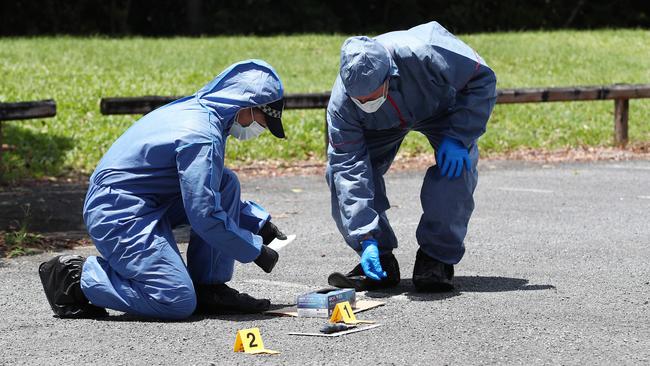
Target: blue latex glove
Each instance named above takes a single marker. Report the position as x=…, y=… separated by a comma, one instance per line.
x=451, y=157
x=370, y=260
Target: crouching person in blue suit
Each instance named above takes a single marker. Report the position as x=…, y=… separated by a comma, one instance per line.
x=165, y=171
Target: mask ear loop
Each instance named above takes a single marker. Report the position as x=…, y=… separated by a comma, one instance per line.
x=236, y=119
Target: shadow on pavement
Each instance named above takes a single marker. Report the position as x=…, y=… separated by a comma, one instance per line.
x=495, y=284
x=462, y=284
x=142, y=319
x=193, y=318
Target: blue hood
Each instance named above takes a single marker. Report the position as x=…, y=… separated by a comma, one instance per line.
x=244, y=84
x=365, y=65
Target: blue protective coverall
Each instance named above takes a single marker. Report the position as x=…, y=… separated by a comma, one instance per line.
x=438, y=86
x=168, y=170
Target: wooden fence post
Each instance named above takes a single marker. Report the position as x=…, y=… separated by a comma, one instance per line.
x=621, y=109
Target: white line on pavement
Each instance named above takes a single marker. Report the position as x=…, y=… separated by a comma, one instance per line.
x=278, y=283
x=644, y=197
x=400, y=297
x=624, y=167
x=531, y=190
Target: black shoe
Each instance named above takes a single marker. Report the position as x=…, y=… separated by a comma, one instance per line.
x=221, y=299
x=431, y=275
x=61, y=279
x=358, y=280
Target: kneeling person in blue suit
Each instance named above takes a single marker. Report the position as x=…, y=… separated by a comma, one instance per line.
x=165, y=171
x=423, y=79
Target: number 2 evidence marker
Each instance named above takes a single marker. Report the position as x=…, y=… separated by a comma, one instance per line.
x=250, y=341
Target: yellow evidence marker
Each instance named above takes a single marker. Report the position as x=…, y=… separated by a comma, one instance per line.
x=343, y=313
x=250, y=341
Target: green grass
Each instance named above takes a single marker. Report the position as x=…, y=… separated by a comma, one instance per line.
x=18, y=243
x=18, y=240
x=77, y=72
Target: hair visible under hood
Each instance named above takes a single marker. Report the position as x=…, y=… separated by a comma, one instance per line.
x=245, y=84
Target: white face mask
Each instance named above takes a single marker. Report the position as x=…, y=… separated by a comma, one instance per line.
x=372, y=106
x=246, y=133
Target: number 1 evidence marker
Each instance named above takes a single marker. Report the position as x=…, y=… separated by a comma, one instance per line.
x=278, y=244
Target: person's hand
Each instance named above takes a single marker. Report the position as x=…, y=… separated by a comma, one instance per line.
x=269, y=232
x=451, y=156
x=267, y=259
x=370, y=260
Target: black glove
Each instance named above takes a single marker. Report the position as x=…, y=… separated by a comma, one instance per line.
x=270, y=232
x=267, y=259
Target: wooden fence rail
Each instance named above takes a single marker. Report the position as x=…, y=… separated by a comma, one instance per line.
x=24, y=110
x=27, y=110
x=620, y=93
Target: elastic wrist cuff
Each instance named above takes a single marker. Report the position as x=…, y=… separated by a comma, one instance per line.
x=368, y=242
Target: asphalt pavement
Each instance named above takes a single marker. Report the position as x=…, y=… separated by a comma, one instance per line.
x=557, y=271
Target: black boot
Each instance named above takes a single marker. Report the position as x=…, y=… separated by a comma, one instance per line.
x=221, y=299
x=431, y=275
x=358, y=280
x=61, y=279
